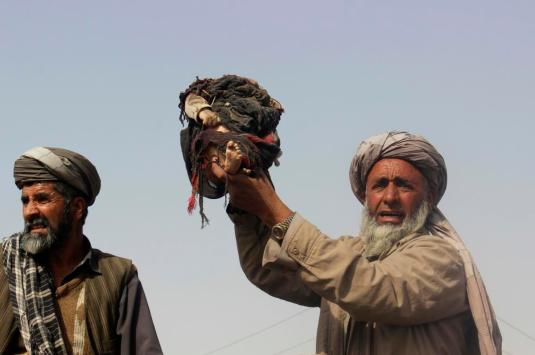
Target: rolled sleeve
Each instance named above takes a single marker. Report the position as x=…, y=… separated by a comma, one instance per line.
x=292, y=248
x=277, y=279
x=301, y=239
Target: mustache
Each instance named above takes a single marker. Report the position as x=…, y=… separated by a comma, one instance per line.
x=36, y=221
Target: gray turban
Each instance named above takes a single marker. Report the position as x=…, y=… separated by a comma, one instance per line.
x=57, y=164
x=412, y=148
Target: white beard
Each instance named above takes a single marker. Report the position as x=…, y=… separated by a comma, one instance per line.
x=379, y=238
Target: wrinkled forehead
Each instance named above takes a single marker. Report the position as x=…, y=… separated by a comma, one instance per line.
x=396, y=167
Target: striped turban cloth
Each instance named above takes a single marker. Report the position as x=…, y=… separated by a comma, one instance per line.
x=58, y=164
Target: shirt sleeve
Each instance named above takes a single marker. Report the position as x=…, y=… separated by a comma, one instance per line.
x=135, y=326
x=422, y=282
x=194, y=104
x=279, y=280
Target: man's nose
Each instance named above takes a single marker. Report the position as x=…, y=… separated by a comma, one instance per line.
x=391, y=194
x=29, y=210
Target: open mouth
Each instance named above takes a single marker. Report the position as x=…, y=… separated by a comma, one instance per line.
x=37, y=226
x=390, y=216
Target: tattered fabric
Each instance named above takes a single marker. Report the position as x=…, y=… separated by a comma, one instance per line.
x=241, y=104
x=247, y=111
x=419, y=152
x=245, y=108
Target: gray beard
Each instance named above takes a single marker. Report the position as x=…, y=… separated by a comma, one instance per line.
x=379, y=238
x=35, y=244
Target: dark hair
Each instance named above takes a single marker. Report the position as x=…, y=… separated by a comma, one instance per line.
x=68, y=193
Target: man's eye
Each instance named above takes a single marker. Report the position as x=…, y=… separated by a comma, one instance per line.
x=405, y=186
x=42, y=198
x=402, y=184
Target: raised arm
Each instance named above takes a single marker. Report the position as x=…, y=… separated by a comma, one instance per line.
x=421, y=281
x=277, y=280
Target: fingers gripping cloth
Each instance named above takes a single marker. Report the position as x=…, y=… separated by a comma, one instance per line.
x=245, y=114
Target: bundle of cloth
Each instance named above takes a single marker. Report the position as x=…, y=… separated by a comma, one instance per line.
x=231, y=121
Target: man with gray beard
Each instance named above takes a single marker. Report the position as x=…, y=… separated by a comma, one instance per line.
x=405, y=286
x=35, y=243
x=58, y=295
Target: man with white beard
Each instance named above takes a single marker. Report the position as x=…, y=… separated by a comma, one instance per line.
x=406, y=285
x=59, y=295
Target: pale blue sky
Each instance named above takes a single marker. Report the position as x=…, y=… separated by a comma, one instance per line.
x=103, y=78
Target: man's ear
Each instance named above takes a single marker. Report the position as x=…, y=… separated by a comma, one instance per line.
x=78, y=206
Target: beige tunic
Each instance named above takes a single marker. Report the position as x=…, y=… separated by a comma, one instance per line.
x=411, y=300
